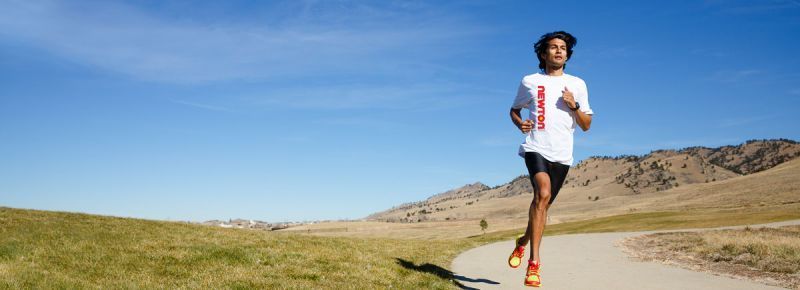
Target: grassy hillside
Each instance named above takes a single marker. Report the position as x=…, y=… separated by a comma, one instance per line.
x=40, y=249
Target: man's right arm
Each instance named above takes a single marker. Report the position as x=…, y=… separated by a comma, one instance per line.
x=520, y=101
x=516, y=118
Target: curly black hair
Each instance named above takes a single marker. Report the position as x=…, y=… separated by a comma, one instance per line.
x=541, y=45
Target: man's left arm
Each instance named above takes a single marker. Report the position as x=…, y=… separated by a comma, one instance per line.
x=583, y=119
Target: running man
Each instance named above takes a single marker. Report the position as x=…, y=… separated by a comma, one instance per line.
x=557, y=103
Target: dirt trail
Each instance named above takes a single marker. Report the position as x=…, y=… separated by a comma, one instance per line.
x=587, y=261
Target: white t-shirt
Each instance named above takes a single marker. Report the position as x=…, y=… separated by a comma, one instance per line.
x=554, y=122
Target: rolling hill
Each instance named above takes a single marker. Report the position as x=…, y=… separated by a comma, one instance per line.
x=599, y=184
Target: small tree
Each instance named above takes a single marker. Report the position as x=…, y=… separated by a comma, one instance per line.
x=484, y=225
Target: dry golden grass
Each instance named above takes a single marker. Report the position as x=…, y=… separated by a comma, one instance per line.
x=768, y=254
x=774, y=250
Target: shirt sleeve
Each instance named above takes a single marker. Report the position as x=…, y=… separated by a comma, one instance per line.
x=523, y=97
x=583, y=99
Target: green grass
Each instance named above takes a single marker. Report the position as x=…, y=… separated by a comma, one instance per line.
x=43, y=249
x=40, y=249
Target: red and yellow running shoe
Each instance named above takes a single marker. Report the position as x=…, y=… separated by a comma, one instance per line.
x=516, y=256
x=532, y=277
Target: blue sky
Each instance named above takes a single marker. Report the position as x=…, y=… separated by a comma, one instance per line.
x=305, y=110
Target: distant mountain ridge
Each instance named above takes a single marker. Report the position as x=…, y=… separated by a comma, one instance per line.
x=604, y=176
x=751, y=157
x=465, y=191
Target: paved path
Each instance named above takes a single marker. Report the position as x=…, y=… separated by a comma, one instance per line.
x=587, y=261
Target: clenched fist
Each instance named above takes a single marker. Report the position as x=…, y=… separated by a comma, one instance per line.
x=569, y=99
x=526, y=126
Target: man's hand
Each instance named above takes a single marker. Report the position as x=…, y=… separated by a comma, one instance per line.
x=526, y=126
x=569, y=99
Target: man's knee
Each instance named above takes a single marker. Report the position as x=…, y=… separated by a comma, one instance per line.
x=543, y=198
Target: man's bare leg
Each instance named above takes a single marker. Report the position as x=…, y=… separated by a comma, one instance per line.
x=526, y=237
x=537, y=214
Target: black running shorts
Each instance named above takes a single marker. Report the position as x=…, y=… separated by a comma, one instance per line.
x=557, y=171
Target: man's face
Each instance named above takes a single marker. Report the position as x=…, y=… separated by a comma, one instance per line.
x=555, y=54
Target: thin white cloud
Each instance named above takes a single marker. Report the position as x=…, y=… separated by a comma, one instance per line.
x=417, y=97
x=611, y=144
x=740, y=121
x=731, y=76
x=203, y=106
x=506, y=141
x=711, y=52
x=363, y=122
x=125, y=39
x=293, y=139
x=611, y=52
x=752, y=7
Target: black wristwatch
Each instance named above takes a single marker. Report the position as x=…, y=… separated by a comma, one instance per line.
x=577, y=106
